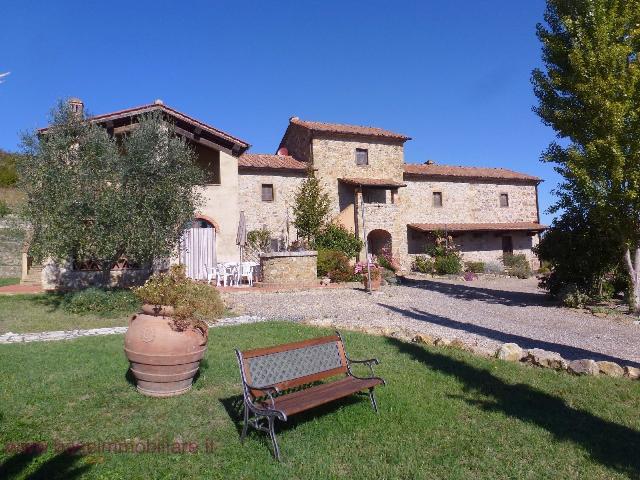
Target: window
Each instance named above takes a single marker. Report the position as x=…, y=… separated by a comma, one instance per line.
x=362, y=156
x=267, y=192
x=504, y=199
x=437, y=199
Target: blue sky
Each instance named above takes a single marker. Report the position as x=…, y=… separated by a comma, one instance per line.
x=453, y=75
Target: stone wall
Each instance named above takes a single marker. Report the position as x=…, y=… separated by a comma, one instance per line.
x=289, y=268
x=468, y=202
x=61, y=277
x=10, y=258
x=12, y=231
x=271, y=215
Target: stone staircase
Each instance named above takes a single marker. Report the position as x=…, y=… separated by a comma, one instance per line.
x=34, y=277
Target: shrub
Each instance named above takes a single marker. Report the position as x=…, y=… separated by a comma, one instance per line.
x=4, y=209
x=193, y=302
x=385, y=260
x=259, y=240
x=494, y=267
x=474, y=267
x=335, y=265
x=336, y=237
x=100, y=301
x=572, y=297
x=422, y=264
x=8, y=170
x=449, y=264
x=517, y=265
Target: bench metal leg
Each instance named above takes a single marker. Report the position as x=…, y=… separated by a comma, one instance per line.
x=246, y=424
x=374, y=404
x=272, y=434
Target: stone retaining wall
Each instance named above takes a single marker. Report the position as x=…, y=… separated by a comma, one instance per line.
x=289, y=268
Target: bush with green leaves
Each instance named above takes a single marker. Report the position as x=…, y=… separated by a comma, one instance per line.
x=100, y=301
x=572, y=297
x=335, y=265
x=422, y=264
x=4, y=209
x=474, y=267
x=193, y=302
x=336, y=237
x=517, y=265
x=449, y=264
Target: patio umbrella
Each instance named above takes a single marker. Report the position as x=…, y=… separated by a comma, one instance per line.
x=241, y=238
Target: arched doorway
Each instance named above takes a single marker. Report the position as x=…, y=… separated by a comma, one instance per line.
x=198, y=247
x=377, y=240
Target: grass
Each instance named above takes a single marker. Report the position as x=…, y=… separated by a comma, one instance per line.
x=9, y=281
x=443, y=414
x=43, y=312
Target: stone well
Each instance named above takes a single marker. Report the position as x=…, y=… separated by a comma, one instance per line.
x=289, y=268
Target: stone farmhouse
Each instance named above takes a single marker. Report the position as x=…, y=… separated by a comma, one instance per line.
x=488, y=211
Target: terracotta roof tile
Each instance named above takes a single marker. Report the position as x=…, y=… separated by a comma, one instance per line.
x=373, y=182
x=268, y=161
x=467, y=172
x=348, y=129
x=477, y=227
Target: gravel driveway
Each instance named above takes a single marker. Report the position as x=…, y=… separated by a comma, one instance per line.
x=488, y=312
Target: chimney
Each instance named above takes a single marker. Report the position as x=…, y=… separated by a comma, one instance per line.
x=429, y=162
x=76, y=106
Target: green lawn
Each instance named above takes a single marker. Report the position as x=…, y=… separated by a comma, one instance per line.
x=9, y=281
x=43, y=312
x=443, y=414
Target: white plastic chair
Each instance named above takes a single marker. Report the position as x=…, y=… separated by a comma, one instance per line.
x=246, y=271
x=224, y=275
x=211, y=272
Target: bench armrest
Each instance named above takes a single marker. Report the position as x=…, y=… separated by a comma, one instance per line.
x=370, y=361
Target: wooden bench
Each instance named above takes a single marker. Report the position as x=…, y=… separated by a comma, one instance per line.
x=268, y=374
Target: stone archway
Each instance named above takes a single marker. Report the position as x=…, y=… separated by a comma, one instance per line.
x=377, y=240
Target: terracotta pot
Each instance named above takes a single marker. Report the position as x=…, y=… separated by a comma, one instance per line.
x=375, y=282
x=163, y=361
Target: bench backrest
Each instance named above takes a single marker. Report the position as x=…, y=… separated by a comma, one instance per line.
x=293, y=364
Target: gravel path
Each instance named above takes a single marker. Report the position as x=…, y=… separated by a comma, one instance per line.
x=488, y=312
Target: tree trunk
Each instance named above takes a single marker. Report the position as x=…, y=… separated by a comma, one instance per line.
x=634, y=272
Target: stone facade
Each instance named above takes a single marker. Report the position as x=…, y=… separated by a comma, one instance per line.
x=277, y=215
x=289, y=268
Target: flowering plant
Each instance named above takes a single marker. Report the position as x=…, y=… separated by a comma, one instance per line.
x=361, y=269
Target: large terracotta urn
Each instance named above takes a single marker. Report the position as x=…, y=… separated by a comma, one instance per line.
x=163, y=360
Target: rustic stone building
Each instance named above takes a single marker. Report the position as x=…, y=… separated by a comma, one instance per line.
x=488, y=211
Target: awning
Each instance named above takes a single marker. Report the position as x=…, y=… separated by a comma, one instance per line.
x=372, y=182
x=478, y=227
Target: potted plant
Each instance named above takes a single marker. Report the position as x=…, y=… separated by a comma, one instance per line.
x=374, y=271
x=166, y=341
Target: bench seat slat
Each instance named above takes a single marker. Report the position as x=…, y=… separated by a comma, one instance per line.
x=302, y=400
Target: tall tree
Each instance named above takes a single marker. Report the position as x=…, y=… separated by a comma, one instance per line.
x=590, y=94
x=311, y=207
x=91, y=197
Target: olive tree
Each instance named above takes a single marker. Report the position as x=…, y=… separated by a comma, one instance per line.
x=91, y=196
